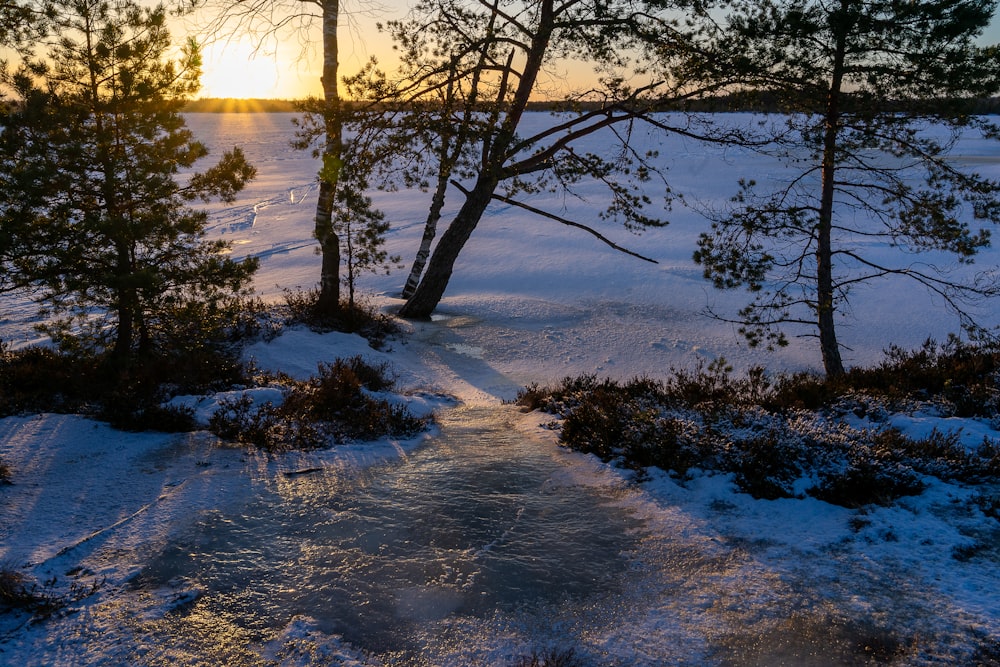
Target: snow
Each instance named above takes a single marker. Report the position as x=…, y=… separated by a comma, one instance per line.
x=530, y=301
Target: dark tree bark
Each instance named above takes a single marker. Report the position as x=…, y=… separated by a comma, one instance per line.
x=825, y=311
x=431, y=288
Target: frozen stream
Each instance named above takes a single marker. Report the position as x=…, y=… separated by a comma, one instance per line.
x=478, y=533
x=480, y=548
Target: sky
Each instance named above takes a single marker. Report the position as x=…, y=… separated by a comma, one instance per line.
x=290, y=69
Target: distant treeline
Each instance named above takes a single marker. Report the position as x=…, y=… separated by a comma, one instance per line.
x=774, y=102
x=240, y=105
x=759, y=102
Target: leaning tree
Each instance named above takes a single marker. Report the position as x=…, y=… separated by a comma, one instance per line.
x=91, y=185
x=876, y=94
x=424, y=142
x=469, y=71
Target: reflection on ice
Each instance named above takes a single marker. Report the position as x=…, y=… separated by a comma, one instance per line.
x=469, y=527
x=481, y=548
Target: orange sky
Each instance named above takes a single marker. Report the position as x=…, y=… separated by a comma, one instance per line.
x=289, y=70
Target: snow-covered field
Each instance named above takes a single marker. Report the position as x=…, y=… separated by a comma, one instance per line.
x=530, y=301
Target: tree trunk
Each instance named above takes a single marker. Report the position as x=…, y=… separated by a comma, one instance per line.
x=430, y=228
x=428, y=294
x=832, y=362
x=329, y=246
x=329, y=243
x=446, y=163
x=125, y=334
x=126, y=298
x=825, y=310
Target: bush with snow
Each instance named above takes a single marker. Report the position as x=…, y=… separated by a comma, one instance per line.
x=790, y=436
x=335, y=406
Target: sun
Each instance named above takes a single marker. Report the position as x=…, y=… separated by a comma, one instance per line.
x=233, y=69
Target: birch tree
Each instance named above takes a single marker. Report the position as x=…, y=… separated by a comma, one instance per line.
x=877, y=93
x=274, y=20
x=359, y=225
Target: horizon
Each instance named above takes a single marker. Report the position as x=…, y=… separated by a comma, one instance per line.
x=289, y=69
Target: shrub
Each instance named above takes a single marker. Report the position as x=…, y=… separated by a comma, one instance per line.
x=714, y=389
x=561, y=398
x=627, y=422
x=373, y=377
x=195, y=354
x=988, y=504
x=265, y=426
x=939, y=454
x=866, y=481
x=533, y=397
x=332, y=406
x=961, y=378
x=239, y=420
x=358, y=318
x=18, y=592
x=772, y=432
x=666, y=442
x=988, y=456
x=190, y=325
x=550, y=658
x=152, y=417
x=804, y=391
x=595, y=425
x=39, y=379
x=767, y=465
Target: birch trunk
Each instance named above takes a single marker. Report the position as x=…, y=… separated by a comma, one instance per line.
x=430, y=226
x=431, y=288
x=329, y=243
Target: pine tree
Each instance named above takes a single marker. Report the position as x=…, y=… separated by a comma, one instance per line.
x=360, y=227
x=94, y=188
x=876, y=93
x=22, y=21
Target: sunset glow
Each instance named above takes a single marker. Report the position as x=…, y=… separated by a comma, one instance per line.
x=234, y=69
x=284, y=69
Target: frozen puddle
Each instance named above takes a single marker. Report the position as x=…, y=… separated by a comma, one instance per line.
x=482, y=547
x=478, y=543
